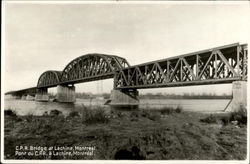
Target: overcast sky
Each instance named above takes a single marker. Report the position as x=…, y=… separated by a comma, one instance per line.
x=40, y=37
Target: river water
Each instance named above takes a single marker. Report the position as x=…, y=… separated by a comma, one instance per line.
x=24, y=107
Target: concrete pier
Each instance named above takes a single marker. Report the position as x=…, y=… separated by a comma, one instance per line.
x=23, y=97
x=29, y=97
x=124, y=98
x=66, y=94
x=42, y=95
x=12, y=97
x=239, y=89
x=17, y=97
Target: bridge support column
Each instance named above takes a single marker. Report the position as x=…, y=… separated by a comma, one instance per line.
x=66, y=94
x=124, y=98
x=23, y=97
x=17, y=96
x=30, y=97
x=42, y=95
x=239, y=89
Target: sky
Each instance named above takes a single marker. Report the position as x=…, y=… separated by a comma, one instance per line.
x=47, y=36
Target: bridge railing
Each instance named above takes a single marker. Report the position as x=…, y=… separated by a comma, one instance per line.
x=218, y=65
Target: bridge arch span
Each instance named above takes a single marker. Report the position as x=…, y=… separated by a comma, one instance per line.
x=91, y=67
x=49, y=78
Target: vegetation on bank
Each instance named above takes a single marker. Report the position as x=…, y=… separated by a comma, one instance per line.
x=238, y=117
x=167, y=133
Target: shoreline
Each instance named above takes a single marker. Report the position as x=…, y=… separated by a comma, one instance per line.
x=147, y=135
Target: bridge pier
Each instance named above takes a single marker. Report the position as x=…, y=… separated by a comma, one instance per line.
x=14, y=96
x=23, y=97
x=42, y=95
x=66, y=94
x=124, y=98
x=239, y=89
x=17, y=96
x=30, y=97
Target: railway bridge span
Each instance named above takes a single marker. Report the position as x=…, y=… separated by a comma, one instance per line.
x=219, y=65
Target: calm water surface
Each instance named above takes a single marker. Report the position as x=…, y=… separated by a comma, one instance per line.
x=24, y=107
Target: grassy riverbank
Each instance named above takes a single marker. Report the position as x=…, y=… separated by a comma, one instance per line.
x=145, y=134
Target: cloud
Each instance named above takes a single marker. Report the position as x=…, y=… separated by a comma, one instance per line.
x=42, y=37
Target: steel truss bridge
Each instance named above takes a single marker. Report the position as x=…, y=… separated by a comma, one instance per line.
x=223, y=64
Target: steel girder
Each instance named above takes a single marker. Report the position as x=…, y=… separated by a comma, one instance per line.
x=218, y=65
x=85, y=68
x=49, y=78
x=27, y=91
x=92, y=67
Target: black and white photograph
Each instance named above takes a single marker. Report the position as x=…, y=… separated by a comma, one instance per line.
x=125, y=81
